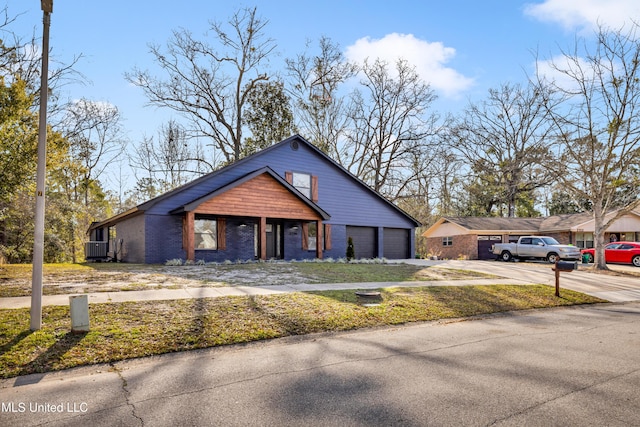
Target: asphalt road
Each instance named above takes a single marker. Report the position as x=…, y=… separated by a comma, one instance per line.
x=577, y=366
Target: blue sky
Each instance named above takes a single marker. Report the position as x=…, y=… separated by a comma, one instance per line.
x=461, y=47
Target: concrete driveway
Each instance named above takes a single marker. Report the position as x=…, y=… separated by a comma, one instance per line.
x=608, y=287
x=577, y=366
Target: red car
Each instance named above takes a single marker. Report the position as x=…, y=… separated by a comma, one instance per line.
x=618, y=253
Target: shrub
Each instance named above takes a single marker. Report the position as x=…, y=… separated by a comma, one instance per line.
x=351, y=253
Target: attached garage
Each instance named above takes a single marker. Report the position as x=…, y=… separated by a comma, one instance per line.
x=484, y=246
x=396, y=243
x=365, y=241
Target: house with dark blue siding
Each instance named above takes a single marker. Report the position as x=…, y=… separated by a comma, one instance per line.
x=289, y=201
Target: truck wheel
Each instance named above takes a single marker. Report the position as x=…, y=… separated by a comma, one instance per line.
x=636, y=260
x=552, y=258
x=506, y=256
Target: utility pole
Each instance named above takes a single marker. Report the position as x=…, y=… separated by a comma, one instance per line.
x=38, y=241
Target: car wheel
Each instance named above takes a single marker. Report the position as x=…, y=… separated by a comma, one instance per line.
x=552, y=258
x=636, y=260
x=506, y=256
x=589, y=258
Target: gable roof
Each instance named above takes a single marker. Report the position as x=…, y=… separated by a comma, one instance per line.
x=248, y=177
x=295, y=139
x=565, y=222
x=488, y=225
x=497, y=223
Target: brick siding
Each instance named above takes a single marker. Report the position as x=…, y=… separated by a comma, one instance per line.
x=463, y=246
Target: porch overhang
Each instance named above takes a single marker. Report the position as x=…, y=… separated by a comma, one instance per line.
x=262, y=195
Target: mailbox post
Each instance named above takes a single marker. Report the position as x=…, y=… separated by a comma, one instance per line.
x=564, y=266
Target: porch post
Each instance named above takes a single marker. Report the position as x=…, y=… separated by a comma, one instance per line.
x=189, y=237
x=319, y=239
x=263, y=238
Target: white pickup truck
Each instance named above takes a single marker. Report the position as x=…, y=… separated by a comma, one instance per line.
x=540, y=247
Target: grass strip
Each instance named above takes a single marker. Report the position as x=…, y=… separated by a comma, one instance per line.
x=135, y=329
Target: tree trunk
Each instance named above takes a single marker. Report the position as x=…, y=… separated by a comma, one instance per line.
x=598, y=237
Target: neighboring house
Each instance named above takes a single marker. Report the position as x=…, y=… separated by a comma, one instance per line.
x=289, y=201
x=472, y=237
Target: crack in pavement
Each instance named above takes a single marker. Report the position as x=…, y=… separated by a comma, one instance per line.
x=328, y=365
x=569, y=393
x=127, y=393
x=396, y=353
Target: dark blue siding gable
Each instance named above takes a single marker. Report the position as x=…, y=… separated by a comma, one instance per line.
x=345, y=198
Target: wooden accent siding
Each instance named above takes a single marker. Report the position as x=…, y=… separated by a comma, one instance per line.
x=221, y=226
x=327, y=236
x=305, y=236
x=314, y=188
x=263, y=238
x=189, y=237
x=262, y=196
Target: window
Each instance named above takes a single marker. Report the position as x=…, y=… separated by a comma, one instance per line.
x=447, y=241
x=305, y=183
x=206, y=233
x=312, y=229
x=584, y=240
x=309, y=235
x=549, y=241
x=302, y=182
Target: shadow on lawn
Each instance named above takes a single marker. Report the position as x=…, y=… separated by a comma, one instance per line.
x=9, y=345
x=47, y=360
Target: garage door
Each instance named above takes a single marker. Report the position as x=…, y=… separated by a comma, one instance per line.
x=484, y=246
x=364, y=241
x=396, y=243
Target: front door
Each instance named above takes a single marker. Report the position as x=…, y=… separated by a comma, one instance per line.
x=274, y=240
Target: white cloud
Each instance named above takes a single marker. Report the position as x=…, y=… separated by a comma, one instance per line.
x=428, y=58
x=586, y=15
x=549, y=71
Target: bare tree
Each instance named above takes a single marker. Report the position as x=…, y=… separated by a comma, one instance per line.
x=315, y=82
x=94, y=130
x=166, y=162
x=209, y=84
x=20, y=59
x=597, y=124
x=504, y=140
x=390, y=123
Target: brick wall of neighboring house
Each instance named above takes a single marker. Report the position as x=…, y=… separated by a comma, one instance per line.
x=463, y=246
x=563, y=238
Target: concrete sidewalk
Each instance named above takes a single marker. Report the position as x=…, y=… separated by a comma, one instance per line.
x=211, y=292
x=610, y=288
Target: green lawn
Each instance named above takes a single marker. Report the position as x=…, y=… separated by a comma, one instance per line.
x=136, y=329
